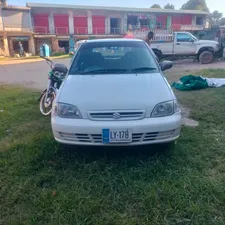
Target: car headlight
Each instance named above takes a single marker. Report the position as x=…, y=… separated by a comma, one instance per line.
x=165, y=109
x=66, y=111
x=176, y=106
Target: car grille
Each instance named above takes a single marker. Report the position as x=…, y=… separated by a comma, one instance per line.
x=129, y=115
x=136, y=137
x=91, y=138
x=145, y=137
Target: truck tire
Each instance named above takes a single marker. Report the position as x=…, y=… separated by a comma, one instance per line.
x=206, y=57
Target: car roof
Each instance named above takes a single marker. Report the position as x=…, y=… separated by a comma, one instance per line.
x=113, y=40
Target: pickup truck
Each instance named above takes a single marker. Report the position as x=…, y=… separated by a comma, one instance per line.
x=184, y=44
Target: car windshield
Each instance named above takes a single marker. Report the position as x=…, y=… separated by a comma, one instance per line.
x=113, y=57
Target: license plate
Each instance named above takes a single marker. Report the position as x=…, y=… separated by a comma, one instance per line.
x=116, y=136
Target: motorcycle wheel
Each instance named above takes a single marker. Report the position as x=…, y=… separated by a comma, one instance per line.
x=46, y=108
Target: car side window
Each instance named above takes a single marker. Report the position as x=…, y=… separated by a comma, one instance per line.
x=183, y=37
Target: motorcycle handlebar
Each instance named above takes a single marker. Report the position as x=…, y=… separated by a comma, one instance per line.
x=48, y=60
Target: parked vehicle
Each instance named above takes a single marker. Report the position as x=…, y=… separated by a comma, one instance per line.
x=116, y=97
x=183, y=44
x=78, y=44
x=56, y=77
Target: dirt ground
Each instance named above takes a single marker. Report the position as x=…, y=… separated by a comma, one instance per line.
x=33, y=74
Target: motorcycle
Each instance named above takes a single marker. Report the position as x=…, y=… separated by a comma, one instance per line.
x=55, y=78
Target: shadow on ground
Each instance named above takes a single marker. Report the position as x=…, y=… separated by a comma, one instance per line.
x=114, y=153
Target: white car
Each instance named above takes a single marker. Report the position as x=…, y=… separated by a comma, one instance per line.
x=76, y=47
x=116, y=97
x=78, y=44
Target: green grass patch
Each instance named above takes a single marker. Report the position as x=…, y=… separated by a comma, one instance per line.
x=211, y=73
x=43, y=182
x=175, y=75
x=61, y=57
x=3, y=58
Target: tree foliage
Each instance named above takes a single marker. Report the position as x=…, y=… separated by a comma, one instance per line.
x=169, y=6
x=195, y=5
x=216, y=16
x=156, y=6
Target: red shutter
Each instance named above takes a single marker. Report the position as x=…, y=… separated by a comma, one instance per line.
x=162, y=19
x=61, y=24
x=176, y=22
x=98, y=24
x=41, y=24
x=187, y=20
x=80, y=24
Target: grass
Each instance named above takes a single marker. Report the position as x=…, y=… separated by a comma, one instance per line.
x=174, y=74
x=61, y=57
x=42, y=182
x=3, y=59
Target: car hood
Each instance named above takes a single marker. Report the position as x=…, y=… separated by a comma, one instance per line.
x=207, y=42
x=115, y=92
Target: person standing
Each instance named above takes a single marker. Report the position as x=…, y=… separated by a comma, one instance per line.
x=149, y=37
x=129, y=33
x=21, y=51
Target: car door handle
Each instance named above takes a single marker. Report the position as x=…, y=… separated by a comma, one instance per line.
x=178, y=43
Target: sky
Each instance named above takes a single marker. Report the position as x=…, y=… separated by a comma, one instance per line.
x=212, y=4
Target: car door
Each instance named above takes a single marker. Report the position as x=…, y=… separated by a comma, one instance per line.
x=184, y=44
x=166, y=48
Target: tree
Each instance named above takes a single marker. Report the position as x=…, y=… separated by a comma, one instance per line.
x=195, y=5
x=169, y=6
x=216, y=17
x=156, y=6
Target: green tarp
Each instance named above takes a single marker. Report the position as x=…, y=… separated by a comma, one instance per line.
x=190, y=82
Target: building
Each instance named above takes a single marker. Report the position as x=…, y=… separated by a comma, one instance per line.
x=15, y=27
x=55, y=24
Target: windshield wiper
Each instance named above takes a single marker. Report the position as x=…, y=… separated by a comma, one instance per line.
x=140, y=69
x=104, y=71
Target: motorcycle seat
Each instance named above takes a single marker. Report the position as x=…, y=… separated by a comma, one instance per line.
x=60, y=68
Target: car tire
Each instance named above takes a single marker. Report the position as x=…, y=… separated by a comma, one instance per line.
x=206, y=57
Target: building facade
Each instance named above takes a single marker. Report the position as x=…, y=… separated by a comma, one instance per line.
x=54, y=24
x=15, y=27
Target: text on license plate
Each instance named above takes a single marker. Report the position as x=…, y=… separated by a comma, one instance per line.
x=116, y=136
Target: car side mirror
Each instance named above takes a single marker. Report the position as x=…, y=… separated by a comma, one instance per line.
x=166, y=65
x=192, y=41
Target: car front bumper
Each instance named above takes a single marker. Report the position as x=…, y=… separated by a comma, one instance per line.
x=88, y=132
